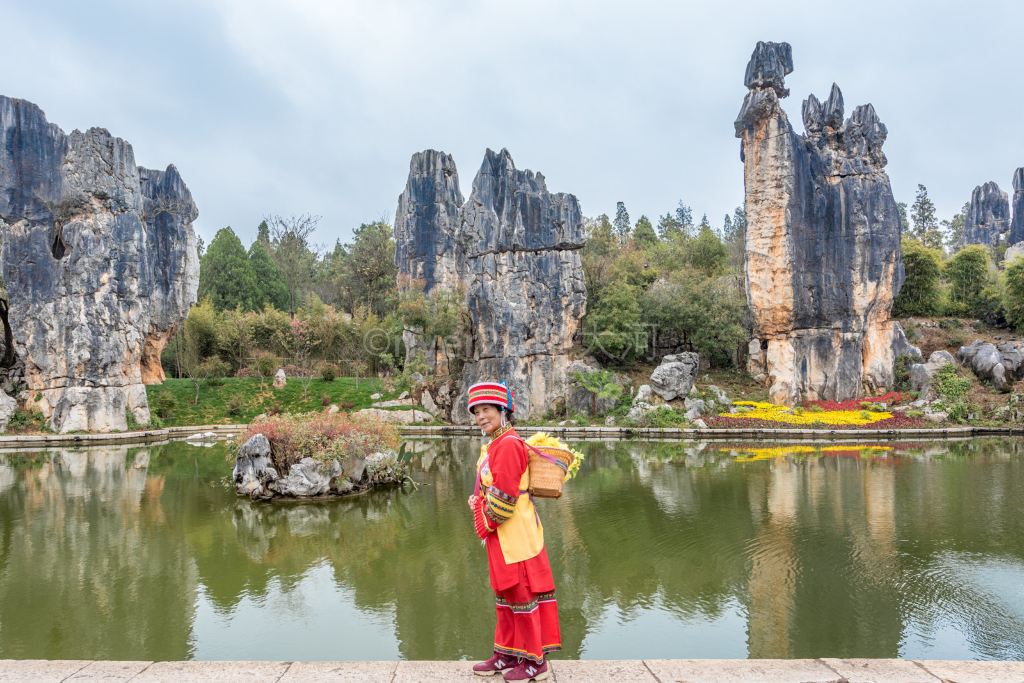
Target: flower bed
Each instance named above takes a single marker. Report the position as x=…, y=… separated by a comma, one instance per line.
x=857, y=403
x=816, y=415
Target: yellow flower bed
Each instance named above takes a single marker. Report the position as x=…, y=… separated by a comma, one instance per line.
x=801, y=416
x=773, y=452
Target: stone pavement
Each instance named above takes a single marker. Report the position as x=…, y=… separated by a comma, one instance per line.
x=620, y=671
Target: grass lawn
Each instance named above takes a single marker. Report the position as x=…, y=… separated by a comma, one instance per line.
x=237, y=400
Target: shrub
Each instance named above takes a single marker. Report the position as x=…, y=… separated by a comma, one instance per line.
x=24, y=420
x=901, y=373
x=327, y=373
x=323, y=437
x=235, y=407
x=921, y=294
x=952, y=390
x=663, y=416
x=967, y=274
x=1013, y=294
x=165, y=404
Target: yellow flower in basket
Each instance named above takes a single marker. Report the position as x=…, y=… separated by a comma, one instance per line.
x=552, y=463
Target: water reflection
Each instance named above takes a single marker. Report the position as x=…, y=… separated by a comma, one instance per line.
x=660, y=549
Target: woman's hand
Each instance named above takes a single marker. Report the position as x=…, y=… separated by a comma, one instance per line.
x=472, y=502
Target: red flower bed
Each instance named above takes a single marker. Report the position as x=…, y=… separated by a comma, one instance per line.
x=891, y=398
x=897, y=421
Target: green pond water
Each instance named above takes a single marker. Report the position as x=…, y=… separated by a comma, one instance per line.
x=659, y=550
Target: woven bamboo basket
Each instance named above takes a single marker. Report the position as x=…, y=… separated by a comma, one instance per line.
x=548, y=466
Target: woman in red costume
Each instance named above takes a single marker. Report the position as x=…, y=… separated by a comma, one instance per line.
x=505, y=518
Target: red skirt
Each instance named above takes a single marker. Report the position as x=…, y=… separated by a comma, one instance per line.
x=527, y=621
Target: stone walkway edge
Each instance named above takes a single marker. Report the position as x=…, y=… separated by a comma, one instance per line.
x=224, y=430
x=621, y=671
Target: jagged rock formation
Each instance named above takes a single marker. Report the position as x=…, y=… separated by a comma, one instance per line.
x=988, y=216
x=823, y=260
x=512, y=250
x=1001, y=365
x=100, y=262
x=1017, y=225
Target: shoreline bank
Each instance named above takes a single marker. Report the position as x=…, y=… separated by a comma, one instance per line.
x=19, y=441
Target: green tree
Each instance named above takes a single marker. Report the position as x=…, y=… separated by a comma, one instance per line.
x=669, y=227
x=643, y=233
x=967, y=273
x=370, y=267
x=612, y=328
x=263, y=234
x=705, y=313
x=270, y=287
x=901, y=208
x=705, y=252
x=954, y=228
x=226, y=277
x=621, y=222
x=600, y=384
x=921, y=293
x=684, y=217
x=293, y=254
x=1013, y=294
x=926, y=225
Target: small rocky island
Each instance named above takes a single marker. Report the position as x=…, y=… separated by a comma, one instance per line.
x=316, y=456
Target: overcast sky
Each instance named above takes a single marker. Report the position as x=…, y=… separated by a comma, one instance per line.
x=293, y=107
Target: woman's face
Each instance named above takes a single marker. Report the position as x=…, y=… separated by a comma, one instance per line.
x=488, y=418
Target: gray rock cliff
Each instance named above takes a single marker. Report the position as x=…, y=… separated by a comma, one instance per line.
x=512, y=249
x=988, y=216
x=100, y=262
x=1017, y=224
x=822, y=246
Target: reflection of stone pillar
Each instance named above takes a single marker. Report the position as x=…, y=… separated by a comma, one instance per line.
x=85, y=520
x=772, y=581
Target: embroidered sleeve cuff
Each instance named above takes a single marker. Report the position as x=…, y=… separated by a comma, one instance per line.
x=499, y=505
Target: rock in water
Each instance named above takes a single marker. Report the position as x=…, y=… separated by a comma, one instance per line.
x=512, y=250
x=101, y=266
x=823, y=260
x=1017, y=225
x=988, y=216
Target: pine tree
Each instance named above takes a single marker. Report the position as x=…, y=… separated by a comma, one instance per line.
x=954, y=228
x=926, y=225
x=270, y=288
x=668, y=226
x=901, y=208
x=684, y=216
x=263, y=234
x=643, y=233
x=621, y=222
x=225, y=276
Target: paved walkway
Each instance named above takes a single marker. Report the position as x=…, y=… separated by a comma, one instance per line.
x=623, y=671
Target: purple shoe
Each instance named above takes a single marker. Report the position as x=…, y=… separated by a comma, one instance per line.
x=528, y=671
x=495, y=665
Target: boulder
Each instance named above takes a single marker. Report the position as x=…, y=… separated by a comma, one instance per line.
x=921, y=374
x=254, y=470
x=1017, y=224
x=101, y=266
x=822, y=244
x=987, y=362
x=7, y=407
x=396, y=403
x=721, y=398
x=674, y=377
x=513, y=248
x=428, y=403
x=306, y=478
x=280, y=379
x=988, y=216
x=695, y=407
